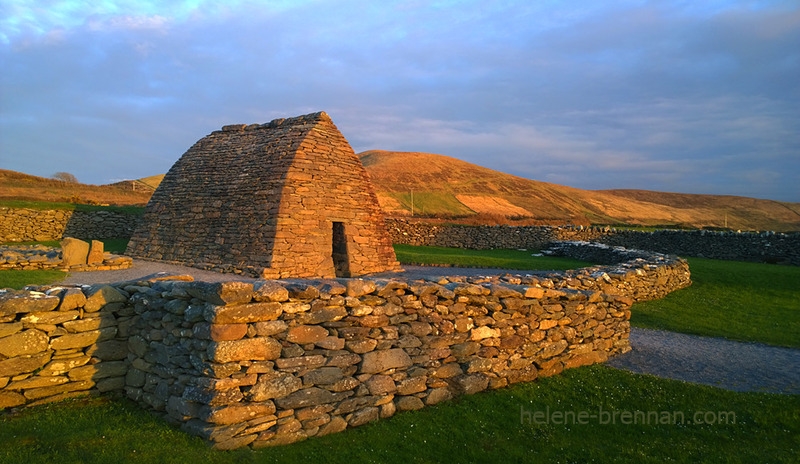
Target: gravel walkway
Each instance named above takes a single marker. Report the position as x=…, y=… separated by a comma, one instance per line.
x=712, y=361
x=143, y=268
x=717, y=362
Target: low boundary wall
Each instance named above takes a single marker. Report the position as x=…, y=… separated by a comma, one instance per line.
x=28, y=225
x=745, y=246
x=275, y=362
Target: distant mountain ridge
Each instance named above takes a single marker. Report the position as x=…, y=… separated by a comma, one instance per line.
x=442, y=187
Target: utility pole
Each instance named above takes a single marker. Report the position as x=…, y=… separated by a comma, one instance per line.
x=412, y=202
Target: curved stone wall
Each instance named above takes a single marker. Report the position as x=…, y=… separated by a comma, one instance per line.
x=274, y=362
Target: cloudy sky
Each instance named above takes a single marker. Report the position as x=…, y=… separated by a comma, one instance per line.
x=671, y=95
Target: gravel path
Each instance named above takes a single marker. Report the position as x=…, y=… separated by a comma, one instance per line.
x=143, y=268
x=712, y=361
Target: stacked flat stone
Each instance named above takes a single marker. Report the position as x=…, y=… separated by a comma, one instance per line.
x=267, y=199
x=61, y=342
x=274, y=362
x=29, y=225
x=769, y=247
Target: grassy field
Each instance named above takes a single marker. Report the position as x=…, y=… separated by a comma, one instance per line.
x=19, y=279
x=503, y=259
x=549, y=420
x=737, y=300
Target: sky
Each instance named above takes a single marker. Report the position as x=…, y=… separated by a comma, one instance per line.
x=670, y=95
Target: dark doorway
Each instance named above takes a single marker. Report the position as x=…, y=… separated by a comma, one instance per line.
x=341, y=261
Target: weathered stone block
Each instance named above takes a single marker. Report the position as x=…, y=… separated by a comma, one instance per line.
x=380, y=385
x=233, y=414
x=323, y=376
x=96, y=255
x=409, y=403
x=10, y=399
x=273, y=386
x=303, y=334
x=74, y=251
x=469, y=384
x=37, y=393
x=84, y=339
x=249, y=349
x=25, y=302
x=270, y=291
x=364, y=416
x=212, y=397
x=221, y=293
x=99, y=296
x=30, y=341
x=336, y=425
x=243, y=313
x=553, y=349
x=379, y=361
x=49, y=317
x=359, y=287
x=10, y=328
x=23, y=364
x=269, y=328
x=310, y=397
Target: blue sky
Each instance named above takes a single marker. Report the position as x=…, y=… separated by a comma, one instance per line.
x=681, y=96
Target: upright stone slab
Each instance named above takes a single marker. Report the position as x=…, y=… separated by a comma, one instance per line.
x=288, y=198
x=96, y=253
x=74, y=251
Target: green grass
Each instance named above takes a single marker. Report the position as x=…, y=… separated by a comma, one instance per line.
x=46, y=205
x=19, y=279
x=487, y=427
x=432, y=204
x=742, y=301
x=503, y=259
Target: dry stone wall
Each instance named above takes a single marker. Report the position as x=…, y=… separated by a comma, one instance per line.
x=274, y=362
x=26, y=225
x=60, y=342
x=743, y=246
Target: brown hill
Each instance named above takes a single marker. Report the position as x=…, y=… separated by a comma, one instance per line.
x=444, y=186
x=24, y=187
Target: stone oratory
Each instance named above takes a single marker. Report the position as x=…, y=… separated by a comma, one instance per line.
x=284, y=199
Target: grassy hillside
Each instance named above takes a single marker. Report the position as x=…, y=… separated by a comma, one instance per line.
x=447, y=186
x=16, y=186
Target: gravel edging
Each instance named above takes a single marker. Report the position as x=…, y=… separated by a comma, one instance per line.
x=732, y=365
